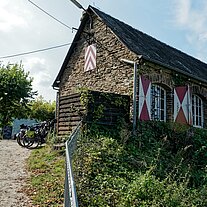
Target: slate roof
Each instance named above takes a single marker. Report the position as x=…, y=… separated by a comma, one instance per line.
x=151, y=49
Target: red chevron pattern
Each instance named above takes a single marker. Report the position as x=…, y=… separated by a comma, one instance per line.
x=90, y=58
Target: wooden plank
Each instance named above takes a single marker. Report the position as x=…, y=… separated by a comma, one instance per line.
x=68, y=109
x=68, y=124
x=75, y=118
x=74, y=123
x=63, y=119
x=64, y=124
x=70, y=96
x=67, y=115
x=72, y=100
x=71, y=111
x=64, y=133
x=64, y=129
x=71, y=105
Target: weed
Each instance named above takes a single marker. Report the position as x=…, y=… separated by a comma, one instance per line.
x=47, y=170
x=164, y=165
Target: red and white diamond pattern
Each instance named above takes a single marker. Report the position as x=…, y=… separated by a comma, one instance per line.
x=144, y=98
x=182, y=110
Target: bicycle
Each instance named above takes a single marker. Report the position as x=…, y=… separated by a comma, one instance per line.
x=35, y=135
x=20, y=136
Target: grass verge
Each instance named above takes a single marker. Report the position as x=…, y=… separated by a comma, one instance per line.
x=47, y=171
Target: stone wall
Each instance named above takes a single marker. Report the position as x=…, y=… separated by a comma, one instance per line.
x=112, y=75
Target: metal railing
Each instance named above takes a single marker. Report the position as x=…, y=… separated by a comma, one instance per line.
x=70, y=196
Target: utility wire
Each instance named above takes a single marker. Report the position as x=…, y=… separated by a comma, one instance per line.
x=50, y=15
x=35, y=51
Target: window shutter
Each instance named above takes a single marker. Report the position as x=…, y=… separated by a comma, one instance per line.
x=144, y=98
x=182, y=105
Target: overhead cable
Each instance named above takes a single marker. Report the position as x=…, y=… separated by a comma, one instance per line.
x=50, y=15
x=35, y=51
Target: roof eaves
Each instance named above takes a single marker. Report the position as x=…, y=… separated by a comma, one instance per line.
x=175, y=69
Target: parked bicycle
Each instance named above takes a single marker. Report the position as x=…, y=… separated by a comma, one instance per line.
x=33, y=136
x=21, y=134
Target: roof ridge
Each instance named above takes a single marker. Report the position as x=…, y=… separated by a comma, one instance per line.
x=164, y=43
x=153, y=49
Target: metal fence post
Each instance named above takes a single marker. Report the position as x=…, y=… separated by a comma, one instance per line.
x=70, y=196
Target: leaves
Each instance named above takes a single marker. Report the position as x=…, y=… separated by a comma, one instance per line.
x=41, y=109
x=16, y=91
x=156, y=168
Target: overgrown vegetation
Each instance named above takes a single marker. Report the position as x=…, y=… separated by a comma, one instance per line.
x=164, y=165
x=47, y=170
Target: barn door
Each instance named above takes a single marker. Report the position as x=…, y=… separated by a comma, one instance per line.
x=182, y=105
x=144, y=98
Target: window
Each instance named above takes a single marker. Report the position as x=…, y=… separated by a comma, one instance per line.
x=197, y=111
x=158, y=103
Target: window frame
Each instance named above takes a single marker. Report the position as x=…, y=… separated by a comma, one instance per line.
x=158, y=107
x=197, y=106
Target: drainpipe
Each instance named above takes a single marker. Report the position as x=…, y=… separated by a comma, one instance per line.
x=134, y=92
x=56, y=108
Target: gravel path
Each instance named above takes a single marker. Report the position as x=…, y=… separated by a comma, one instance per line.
x=13, y=174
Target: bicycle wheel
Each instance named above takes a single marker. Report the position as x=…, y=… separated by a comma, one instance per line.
x=20, y=139
x=27, y=142
x=32, y=143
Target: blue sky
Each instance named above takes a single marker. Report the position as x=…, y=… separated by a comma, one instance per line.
x=24, y=28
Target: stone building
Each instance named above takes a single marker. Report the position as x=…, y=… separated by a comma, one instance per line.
x=170, y=86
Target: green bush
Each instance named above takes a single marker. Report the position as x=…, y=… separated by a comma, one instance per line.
x=164, y=165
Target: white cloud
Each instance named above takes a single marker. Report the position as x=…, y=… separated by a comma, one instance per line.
x=191, y=16
x=35, y=64
x=182, y=11
x=38, y=68
x=23, y=28
x=10, y=17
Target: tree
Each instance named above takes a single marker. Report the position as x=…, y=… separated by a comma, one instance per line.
x=42, y=110
x=16, y=91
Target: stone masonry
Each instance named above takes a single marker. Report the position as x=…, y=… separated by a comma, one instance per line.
x=113, y=75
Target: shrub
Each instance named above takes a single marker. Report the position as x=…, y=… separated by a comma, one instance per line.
x=164, y=165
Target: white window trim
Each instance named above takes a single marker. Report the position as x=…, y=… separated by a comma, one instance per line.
x=165, y=103
x=194, y=97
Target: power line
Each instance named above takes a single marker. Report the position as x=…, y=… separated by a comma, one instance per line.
x=50, y=15
x=35, y=51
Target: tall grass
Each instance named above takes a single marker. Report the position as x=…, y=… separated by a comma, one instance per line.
x=164, y=165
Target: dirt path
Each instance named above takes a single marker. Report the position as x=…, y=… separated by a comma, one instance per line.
x=12, y=174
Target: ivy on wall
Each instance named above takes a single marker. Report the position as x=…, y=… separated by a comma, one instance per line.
x=100, y=106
